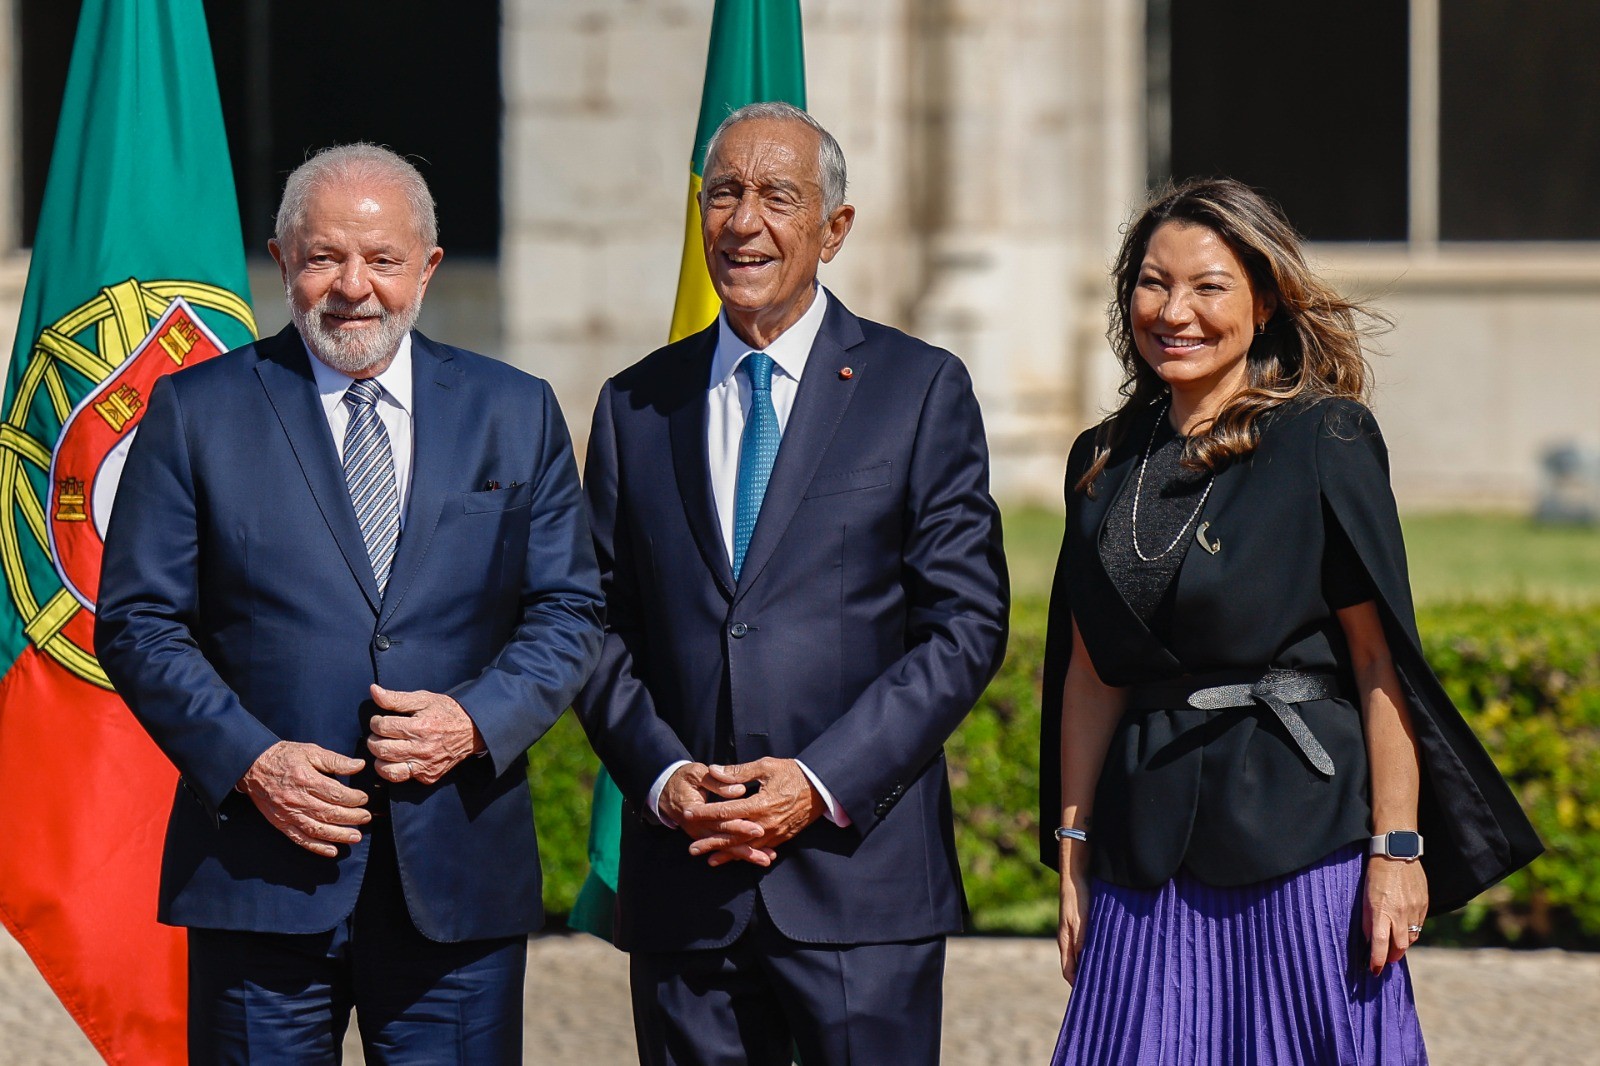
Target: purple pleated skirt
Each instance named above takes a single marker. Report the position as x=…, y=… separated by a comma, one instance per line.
x=1268, y=974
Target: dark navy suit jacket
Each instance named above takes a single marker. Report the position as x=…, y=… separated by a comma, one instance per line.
x=238, y=607
x=870, y=612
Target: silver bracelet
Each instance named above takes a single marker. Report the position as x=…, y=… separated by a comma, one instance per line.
x=1068, y=833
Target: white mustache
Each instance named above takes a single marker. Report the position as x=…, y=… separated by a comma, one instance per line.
x=370, y=307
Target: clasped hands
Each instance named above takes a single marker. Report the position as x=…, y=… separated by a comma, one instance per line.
x=713, y=805
x=423, y=736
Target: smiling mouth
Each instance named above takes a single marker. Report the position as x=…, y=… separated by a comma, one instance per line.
x=349, y=315
x=1182, y=344
x=746, y=259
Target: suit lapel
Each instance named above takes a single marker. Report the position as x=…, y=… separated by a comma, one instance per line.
x=819, y=407
x=1113, y=482
x=690, y=461
x=285, y=373
x=435, y=426
x=1201, y=567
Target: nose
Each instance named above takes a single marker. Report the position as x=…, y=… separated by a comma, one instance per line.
x=354, y=282
x=1175, y=310
x=746, y=217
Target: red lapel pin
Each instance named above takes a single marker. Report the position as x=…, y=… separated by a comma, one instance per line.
x=846, y=374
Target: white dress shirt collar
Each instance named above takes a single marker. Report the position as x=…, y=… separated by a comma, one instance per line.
x=396, y=378
x=789, y=351
x=394, y=409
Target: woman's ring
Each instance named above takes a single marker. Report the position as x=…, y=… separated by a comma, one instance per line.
x=1414, y=930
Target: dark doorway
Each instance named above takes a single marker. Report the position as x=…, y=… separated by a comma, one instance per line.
x=1517, y=158
x=297, y=75
x=1305, y=101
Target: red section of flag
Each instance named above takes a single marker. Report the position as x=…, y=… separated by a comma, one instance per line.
x=97, y=434
x=86, y=793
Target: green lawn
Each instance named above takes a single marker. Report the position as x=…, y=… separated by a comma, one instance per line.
x=1453, y=557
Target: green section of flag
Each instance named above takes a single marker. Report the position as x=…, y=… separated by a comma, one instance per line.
x=756, y=54
x=594, y=910
x=140, y=187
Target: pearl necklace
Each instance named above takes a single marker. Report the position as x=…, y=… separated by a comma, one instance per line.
x=1139, y=488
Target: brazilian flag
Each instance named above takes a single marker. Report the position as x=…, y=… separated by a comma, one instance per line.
x=755, y=55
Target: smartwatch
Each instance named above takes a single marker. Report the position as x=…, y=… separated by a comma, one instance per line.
x=1401, y=844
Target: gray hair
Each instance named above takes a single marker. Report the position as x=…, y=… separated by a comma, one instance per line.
x=356, y=164
x=830, y=157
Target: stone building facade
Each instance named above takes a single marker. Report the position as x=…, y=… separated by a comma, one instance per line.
x=995, y=148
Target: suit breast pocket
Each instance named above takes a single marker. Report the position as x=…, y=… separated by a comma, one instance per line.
x=491, y=501
x=867, y=477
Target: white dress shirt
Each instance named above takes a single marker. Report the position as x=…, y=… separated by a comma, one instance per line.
x=394, y=410
x=727, y=407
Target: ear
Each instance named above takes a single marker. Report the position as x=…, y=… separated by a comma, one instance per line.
x=276, y=251
x=1266, y=307
x=838, y=228
x=428, y=268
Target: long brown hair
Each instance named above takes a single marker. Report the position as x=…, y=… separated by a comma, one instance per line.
x=1311, y=346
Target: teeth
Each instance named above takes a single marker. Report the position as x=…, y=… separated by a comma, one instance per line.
x=1180, y=342
x=747, y=258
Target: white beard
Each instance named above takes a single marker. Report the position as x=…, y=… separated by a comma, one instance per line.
x=354, y=352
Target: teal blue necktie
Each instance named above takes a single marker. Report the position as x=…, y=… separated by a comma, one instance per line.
x=758, y=448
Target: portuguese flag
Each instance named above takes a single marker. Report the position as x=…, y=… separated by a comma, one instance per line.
x=755, y=55
x=138, y=269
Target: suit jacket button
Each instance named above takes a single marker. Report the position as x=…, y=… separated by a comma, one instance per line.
x=381, y=642
x=738, y=629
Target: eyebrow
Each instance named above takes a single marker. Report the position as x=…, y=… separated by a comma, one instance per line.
x=1214, y=272
x=725, y=178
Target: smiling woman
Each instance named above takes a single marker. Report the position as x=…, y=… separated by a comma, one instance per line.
x=1194, y=314
x=1252, y=750
x=1305, y=342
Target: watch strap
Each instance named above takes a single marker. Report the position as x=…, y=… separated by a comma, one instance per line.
x=1383, y=845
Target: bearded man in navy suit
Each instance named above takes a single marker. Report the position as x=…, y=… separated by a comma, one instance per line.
x=805, y=594
x=347, y=583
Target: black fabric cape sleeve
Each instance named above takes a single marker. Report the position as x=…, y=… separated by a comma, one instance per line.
x=1475, y=831
x=1057, y=653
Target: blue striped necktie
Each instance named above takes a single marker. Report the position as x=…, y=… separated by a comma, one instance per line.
x=758, y=448
x=369, y=472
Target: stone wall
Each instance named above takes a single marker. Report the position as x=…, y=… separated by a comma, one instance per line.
x=994, y=151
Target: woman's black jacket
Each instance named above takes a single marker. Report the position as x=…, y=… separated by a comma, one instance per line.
x=1227, y=794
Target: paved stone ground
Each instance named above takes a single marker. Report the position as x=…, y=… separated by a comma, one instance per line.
x=1003, y=1003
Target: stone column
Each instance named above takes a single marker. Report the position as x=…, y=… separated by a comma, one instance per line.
x=1030, y=137
x=601, y=98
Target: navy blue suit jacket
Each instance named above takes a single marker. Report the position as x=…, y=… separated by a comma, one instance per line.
x=238, y=608
x=870, y=612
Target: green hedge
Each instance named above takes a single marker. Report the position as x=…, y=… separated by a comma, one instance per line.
x=1526, y=674
x=561, y=772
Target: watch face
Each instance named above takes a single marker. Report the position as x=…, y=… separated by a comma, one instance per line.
x=1404, y=845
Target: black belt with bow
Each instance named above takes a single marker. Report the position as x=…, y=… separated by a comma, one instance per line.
x=1225, y=689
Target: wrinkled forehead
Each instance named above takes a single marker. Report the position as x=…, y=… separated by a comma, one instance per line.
x=342, y=204
x=762, y=150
